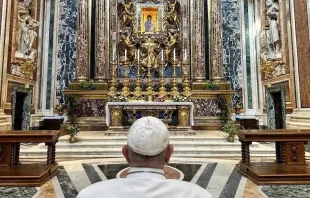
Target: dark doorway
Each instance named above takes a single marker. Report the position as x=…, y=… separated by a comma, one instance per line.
x=278, y=110
x=19, y=110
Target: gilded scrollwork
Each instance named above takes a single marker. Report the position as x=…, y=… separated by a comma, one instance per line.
x=23, y=69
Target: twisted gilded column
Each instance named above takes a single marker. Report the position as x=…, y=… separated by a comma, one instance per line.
x=83, y=30
x=216, y=41
x=100, y=59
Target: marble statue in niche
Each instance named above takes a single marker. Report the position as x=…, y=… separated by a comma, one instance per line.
x=26, y=33
x=273, y=33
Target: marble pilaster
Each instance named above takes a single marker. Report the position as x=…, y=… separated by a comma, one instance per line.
x=232, y=48
x=50, y=68
x=217, y=72
x=66, y=60
x=83, y=31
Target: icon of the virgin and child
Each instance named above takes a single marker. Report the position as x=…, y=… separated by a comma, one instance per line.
x=149, y=24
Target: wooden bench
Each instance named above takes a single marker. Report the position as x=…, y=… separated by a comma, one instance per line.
x=12, y=173
x=290, y=166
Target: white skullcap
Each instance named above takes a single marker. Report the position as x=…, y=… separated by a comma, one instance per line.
x=148, y=136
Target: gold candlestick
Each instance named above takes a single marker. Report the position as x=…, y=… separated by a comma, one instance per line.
x=162, y=89
x=174, y=89
x=125, y=90
x=113, y=88
x=149, y=90
x=186, y=89
x=138, y=89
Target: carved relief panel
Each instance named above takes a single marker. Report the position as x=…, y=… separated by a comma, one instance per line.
x=274, y=39
x=24, y=38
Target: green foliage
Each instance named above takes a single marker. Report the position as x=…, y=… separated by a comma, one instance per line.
x=230, y=128
x=222, y=104
x=132, y=87
x=85, y=85
x=73, y=127
x=168, y=86
x=209, y=85
x=73, y=130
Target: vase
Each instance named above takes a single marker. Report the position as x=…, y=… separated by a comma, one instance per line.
x=72, y=139
x=231, y=138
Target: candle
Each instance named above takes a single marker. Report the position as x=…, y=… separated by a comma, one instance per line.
x=174, y=54
x=185, y=54
x=162, y=54
x=138, y=55
x=113, y=54
x=125, y=55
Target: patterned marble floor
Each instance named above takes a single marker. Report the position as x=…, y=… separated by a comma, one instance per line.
x=220, y=178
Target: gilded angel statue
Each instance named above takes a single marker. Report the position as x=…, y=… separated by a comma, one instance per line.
x=126, y=14
x=172, y=11
x=129, y=45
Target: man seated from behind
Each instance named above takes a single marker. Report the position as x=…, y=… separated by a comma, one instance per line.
x=147, y=151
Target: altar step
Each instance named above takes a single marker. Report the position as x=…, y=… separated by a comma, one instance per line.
x=110, y=147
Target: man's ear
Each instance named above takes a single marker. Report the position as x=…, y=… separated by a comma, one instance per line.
x=126, y=153
x=169, y=152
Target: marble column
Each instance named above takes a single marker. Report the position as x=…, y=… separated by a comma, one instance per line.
x=217, y=72
x=198, y=36
x=2, y=33
x=83, y=30
x=101, y=42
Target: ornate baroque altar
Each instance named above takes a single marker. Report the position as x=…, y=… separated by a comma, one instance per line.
x=155, y=53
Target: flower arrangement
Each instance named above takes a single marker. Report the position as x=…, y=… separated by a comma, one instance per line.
x=181, y=99
x=160, y=98
x=119, y=98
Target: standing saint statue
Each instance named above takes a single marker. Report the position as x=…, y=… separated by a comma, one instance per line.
x=273, y=34
x=26, y=34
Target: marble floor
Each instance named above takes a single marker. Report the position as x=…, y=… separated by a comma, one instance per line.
x=219, y=177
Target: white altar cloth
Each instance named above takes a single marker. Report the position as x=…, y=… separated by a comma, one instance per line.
x=190, y=104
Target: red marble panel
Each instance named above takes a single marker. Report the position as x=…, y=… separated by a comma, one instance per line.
x=303, y=46
x=1, y=4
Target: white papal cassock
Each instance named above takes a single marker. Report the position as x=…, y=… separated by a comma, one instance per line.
x=144, y=183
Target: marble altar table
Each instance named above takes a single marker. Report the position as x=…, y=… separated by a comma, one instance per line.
x=114, y=111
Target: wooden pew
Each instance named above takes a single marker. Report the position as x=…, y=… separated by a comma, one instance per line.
x=12, y=173
x=290, y=166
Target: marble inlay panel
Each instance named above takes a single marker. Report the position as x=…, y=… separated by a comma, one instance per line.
x=15, y=192
x=271, y=106
x=303, y=45
x=274, y=191
x=66, y=46
x=232, y=47
x=90, y=107
x=26, y=105
x=207, y=107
